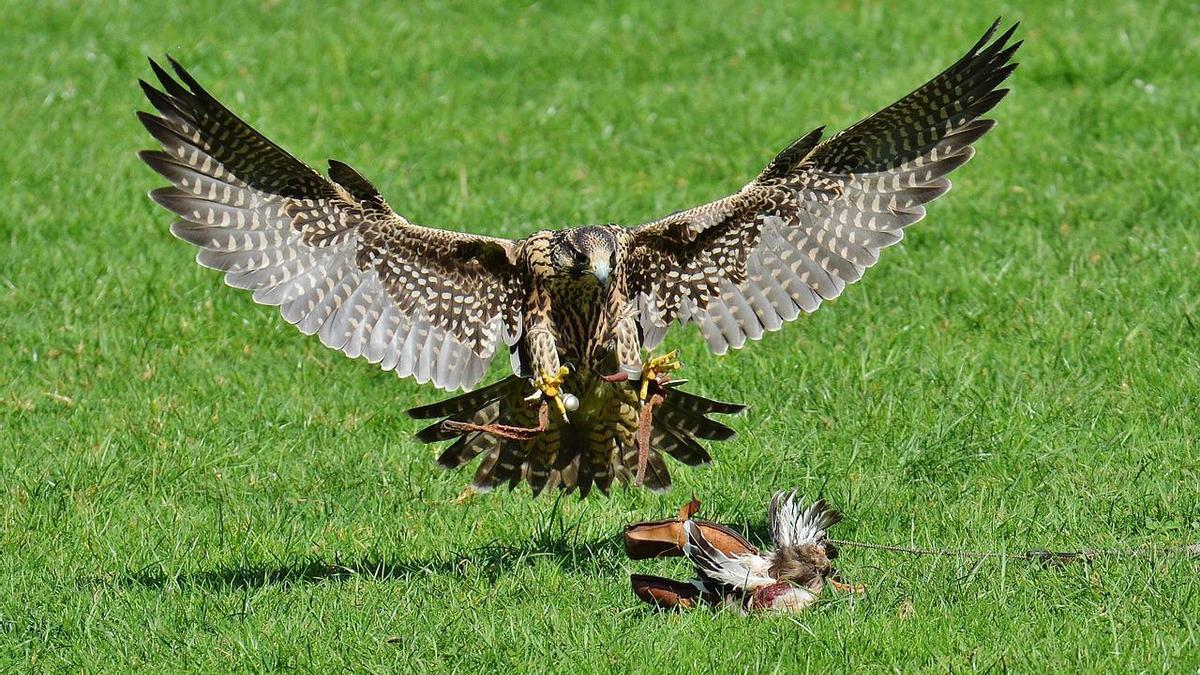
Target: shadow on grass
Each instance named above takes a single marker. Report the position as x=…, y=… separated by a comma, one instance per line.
x=489, y=562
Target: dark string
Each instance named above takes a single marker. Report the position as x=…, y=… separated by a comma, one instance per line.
x=1036, y=555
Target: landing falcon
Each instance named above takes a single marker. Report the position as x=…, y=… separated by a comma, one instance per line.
x=576, y=309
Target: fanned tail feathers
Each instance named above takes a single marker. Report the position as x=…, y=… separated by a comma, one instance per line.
x=576, y=456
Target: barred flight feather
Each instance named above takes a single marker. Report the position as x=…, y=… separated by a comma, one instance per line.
x=819, y=214
x=430, y=304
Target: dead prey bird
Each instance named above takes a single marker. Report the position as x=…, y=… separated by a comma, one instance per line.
x=730, y=572
x=577, y=309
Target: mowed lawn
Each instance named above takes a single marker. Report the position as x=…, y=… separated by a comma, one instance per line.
x=188, y=483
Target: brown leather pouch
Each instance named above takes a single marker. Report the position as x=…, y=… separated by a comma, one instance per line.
x=664, y=593
x=665, y=538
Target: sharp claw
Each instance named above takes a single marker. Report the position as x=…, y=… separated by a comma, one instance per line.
x=655, y=368
x=550, y=386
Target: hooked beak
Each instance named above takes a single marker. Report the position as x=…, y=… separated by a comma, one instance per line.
x=599, y=268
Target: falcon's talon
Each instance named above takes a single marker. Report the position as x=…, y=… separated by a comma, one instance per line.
x=465, y=496
x=657, y=369
x=550, y=387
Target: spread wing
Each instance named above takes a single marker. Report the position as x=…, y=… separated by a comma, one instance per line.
x=427, y=303
x=740, y=571
x=791, y=524
x=818, y=214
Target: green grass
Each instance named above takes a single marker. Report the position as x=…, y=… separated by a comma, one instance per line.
x=186, y=482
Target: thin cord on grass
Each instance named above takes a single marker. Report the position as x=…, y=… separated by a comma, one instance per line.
x=1035, y=555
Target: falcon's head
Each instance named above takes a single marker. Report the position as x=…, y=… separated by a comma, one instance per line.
x=584, y=252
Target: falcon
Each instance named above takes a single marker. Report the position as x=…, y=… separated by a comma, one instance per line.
x=578, y=310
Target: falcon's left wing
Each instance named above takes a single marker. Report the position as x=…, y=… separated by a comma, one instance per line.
x=818, y=215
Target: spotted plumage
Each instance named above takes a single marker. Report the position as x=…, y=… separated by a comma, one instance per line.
x=572, y=306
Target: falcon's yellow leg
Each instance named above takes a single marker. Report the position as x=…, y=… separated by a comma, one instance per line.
x=550, y=386
x=655, y=368
x=465, y=496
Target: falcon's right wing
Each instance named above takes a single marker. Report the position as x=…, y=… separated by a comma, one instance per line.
x=431, y=304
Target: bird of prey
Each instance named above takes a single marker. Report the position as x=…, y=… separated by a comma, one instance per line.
x=579, y=309
x=732, y=573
